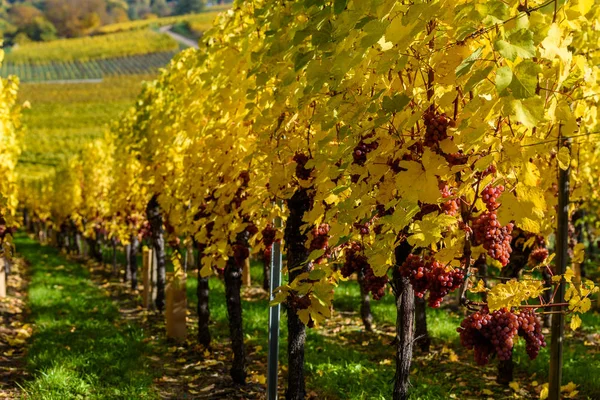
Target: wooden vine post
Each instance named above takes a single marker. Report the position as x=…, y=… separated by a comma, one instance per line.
x=246, y=279
x=146, y=280
x=562, y=246
x=2, y=277
x=176, y=309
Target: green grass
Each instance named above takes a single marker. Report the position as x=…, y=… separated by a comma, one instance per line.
x=80, y=348
x=334, y=369
x=338, y=370
x=359, y=365
x=63, y=118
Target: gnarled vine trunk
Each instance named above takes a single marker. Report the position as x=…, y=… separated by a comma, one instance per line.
x=127, y=275
x=233, y=286
x=405, y=306
x=203, y=308
x=297, y=255
x=132, y=260
x=154, y=216
x=365, y=304
x=421, y=333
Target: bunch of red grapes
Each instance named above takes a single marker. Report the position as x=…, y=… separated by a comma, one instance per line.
x=530, y=328
x=449, y=207
x=539, y=253
x=427, y=274
x=320, y=240
x=495, y=333
x=361, y=150
x=268, y=238
x=494, y=237
x=490, y=194
x=436, y=127
x=357, y=262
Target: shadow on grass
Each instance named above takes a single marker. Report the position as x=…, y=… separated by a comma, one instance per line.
x=80, y=347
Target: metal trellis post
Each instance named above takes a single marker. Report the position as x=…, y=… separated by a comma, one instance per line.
x=274, y=313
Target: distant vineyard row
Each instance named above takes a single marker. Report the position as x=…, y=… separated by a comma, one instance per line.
x=95, y=69
x=92, y=48
x=202, y=21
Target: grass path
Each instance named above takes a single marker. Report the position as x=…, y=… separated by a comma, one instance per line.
x=80, y=347
x=93, y=340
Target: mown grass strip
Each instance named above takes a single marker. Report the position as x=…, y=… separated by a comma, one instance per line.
x=80, y=348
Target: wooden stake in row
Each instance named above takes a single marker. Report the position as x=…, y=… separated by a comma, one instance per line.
x=176, y=305
x=2, y=277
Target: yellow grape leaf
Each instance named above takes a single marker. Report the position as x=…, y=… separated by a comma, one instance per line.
x=575, y=322
x=304, y=316
x=578, y=253
x=487, y=392
x=523, y=211
x=564, y=158
x=569, y=390
x=259, y=379
x=514, y=386
x=429, y=230
x=416, y=184
x=479, y=288
x=544, y=392
x=513, y=293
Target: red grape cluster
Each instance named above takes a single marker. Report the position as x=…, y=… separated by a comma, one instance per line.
x=490, y=194
x=442, y=282
x=436, y=127
x=530, y=328
x=456, y=158
x=428, y=274
x=491, y=170
x=301, y=172
x=494, y=237
x=268, y=238
x=361, y=150
x=489, y=334
x=320, y=241
x=357, y=262
x=449, y=207
x=538, y=255
x=495, y=333
x=415, y=268
x=320, y=238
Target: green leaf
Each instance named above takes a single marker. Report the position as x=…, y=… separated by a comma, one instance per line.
x=302, y=59
x=477, y=77
x=521, y=82
x=503, y=78
x=519, y=44
x=339, y=6
x=529, y=112
x=395, y=103
x=468, y=62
